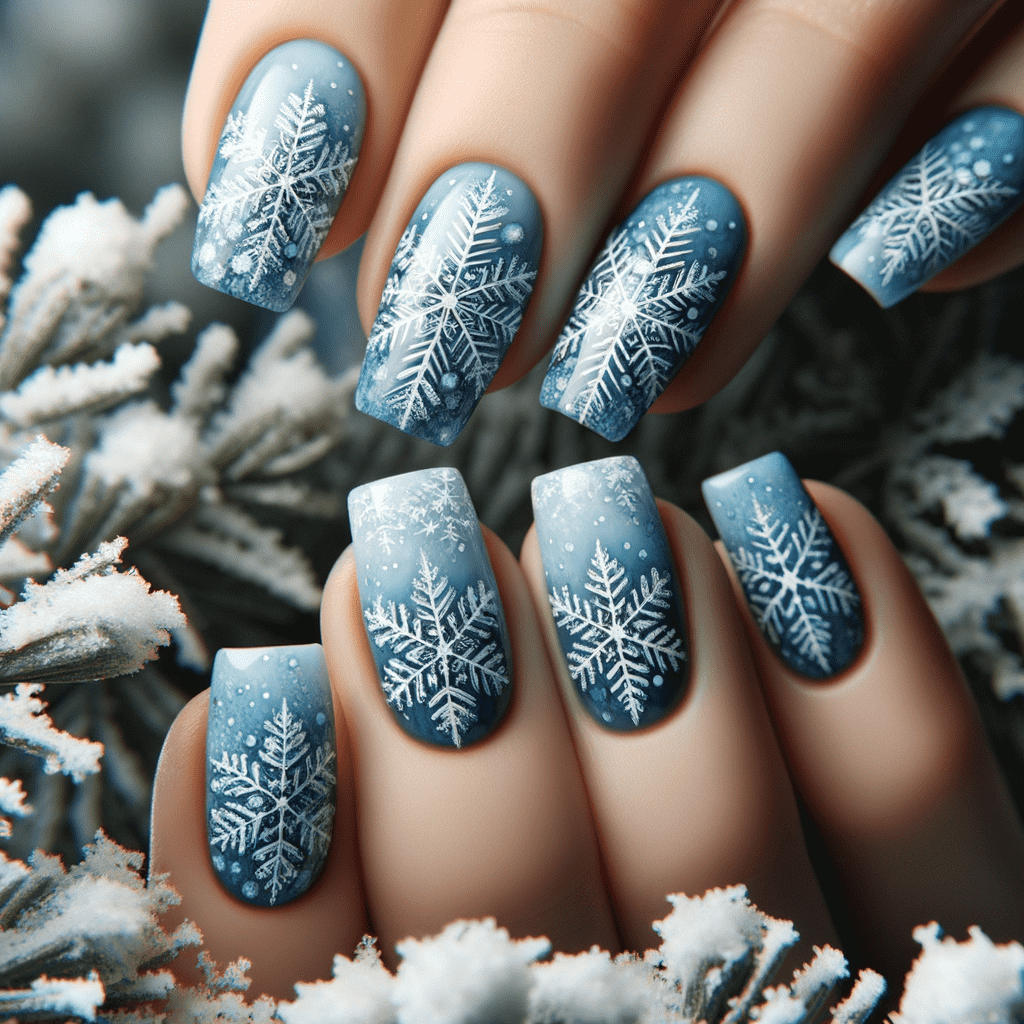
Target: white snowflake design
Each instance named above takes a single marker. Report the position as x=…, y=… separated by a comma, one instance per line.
x=447, y=650
x=791, y=577
x=637, y=310
x=279, y=807
x=453, y=312
x=285, y=199
x=933, y=212
x=621, y=637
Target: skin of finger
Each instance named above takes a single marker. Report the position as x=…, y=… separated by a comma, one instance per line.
x=792, y=104
x=238, y=33
x=565, y=94
x=701, y=799
x=891, y=761
x=285, y=944
x=500, y=829
x=1000, y=80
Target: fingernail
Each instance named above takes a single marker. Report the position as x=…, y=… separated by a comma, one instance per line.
x=456, y=291
x=798, y=585
x=613, y=592
x=283, y=163
x=431, y=607
x=961, y=186
x=647, y=301
x=271, y=771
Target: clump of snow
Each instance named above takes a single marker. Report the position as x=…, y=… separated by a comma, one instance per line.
x=963, y=982
x=472, y=973
x=589, y=988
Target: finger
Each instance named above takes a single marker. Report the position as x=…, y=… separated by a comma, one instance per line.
x=697, y=797
x=528, y=121
x=283, y=940
x=885, y=746
x=780, y=123
x=469, y=797
x=281, y=166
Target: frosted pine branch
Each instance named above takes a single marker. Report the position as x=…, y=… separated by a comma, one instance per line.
x=15, y=213
x=12, y=801
x=50, y=394
x=200, y=388
x=23, y=725
x=27, y=481
x=88, y=622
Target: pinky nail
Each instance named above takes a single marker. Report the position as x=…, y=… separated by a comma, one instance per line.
x=271, y=771
x=798, y=585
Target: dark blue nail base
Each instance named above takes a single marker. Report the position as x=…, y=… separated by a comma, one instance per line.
x=271, y=772
x=431, y=606
x=612, y=590
x=456, y=291
x=283, y=163
x=963, y=184
x=798, y=584
x=645, y=304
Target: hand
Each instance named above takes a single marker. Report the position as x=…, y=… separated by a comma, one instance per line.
x=775, y=120
x=552, y=821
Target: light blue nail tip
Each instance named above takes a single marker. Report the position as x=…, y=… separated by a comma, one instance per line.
x=431, y=606
x=963, y=184
x=456, y=291
x=798, y=584
x=284, y=160
x=271, y=771
x=612, y=589
x=645, y=304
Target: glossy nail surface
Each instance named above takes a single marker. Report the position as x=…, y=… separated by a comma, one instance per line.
x=798, y=584
x=283, y=164
x=431, y=606
x=456, y=291
x=645, y=304
x=271, y=771
x=613, y=591
x=962, y=185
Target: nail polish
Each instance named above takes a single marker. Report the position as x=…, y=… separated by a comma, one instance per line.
x=645, y=304
x=613, y=592
x=963, y=184
x=284, y=161
x=798, y=585
x=271, y=771
x=455, y=295
x=431, y=606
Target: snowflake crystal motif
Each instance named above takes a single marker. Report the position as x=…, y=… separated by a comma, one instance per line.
x=454, y=312
x=380, y=519
x=284, y=815
x=443, y=510
x=789, y=579
x=621, y=637
x=934, y=212
x=283, y=202
x=447, y=650
x=638, y=311
x=617, y=475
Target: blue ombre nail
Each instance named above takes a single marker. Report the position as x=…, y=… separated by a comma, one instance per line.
x=798, y=585
x=613, y=592
x=961, y=186
x=283, y=163
x=646, y=303
x=431, y=606
x=271, y=771
x=456, y=291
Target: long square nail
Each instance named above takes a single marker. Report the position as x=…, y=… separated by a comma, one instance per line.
x=431, y=606
x=283, y=164
x=613, y=591
x=798, y=585
x=963, y=184
x=271, y=771
x=456, y=291
x=645, y=304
